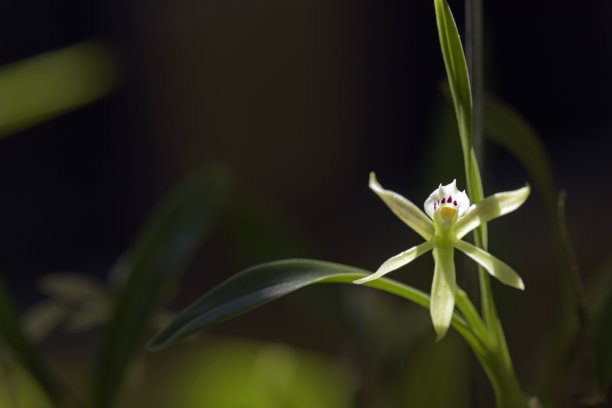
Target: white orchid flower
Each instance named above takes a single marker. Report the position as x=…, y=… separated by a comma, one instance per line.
x=449, y=218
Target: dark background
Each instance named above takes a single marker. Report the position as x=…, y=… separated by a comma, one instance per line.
x=299, y=100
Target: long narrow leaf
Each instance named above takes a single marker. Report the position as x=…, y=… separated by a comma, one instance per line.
x=456, y=70
x=167, y=243
x=264, y=283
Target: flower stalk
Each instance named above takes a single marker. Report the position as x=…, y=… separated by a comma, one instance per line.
x=499, y=365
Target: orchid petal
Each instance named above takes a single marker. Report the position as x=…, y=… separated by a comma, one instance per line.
x=398, y=261
x=494, y=266
x=489, y=209
x=404, y=209
x=443, y=291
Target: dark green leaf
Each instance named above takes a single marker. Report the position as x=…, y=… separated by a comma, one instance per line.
x=263, y=283
x=171, y=237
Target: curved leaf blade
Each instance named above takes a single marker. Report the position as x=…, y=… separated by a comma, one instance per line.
x=264, y=283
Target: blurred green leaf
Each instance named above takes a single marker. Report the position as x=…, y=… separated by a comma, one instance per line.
x=77, y=300
x=45, y=86
x=506, y=127
x=261, y=284
x=72, y=287
x=14, y=338
x=160, y=254
x=435, y=376
x=257, y=231
x=19, y=390
x=600, y=302
x=230, y=373
x=44, y=317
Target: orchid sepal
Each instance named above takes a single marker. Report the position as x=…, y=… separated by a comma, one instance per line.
x=500, y=270
x=404, y=209
x=443, y=290
x=398, y=261
x=490, y=208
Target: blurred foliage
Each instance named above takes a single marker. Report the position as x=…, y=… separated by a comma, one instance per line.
x=75, y=301
x=16, y=348
x=48, y=85
x=435, y=376
x=172, y=236
x=228, y=373
x=18, y=389
x=600, y=308
x=505, y=126
x=258, y=231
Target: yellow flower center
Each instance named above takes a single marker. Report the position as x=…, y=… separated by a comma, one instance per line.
x=448, y=212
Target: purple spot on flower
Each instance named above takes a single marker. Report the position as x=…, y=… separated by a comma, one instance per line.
x=443, y=200
x=455, y=202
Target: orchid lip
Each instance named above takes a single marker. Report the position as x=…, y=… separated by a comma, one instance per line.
x=447, y=196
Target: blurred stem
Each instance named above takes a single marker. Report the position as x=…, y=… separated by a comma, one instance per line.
x=474, y=61
x=588, y=385
x=474, y=54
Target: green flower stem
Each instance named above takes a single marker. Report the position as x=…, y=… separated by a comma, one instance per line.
x=472, y=317
x=496, y=362
x=508, y=392
x=493, y=357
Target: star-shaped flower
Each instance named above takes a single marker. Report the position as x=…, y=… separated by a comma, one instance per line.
x=449, y=218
